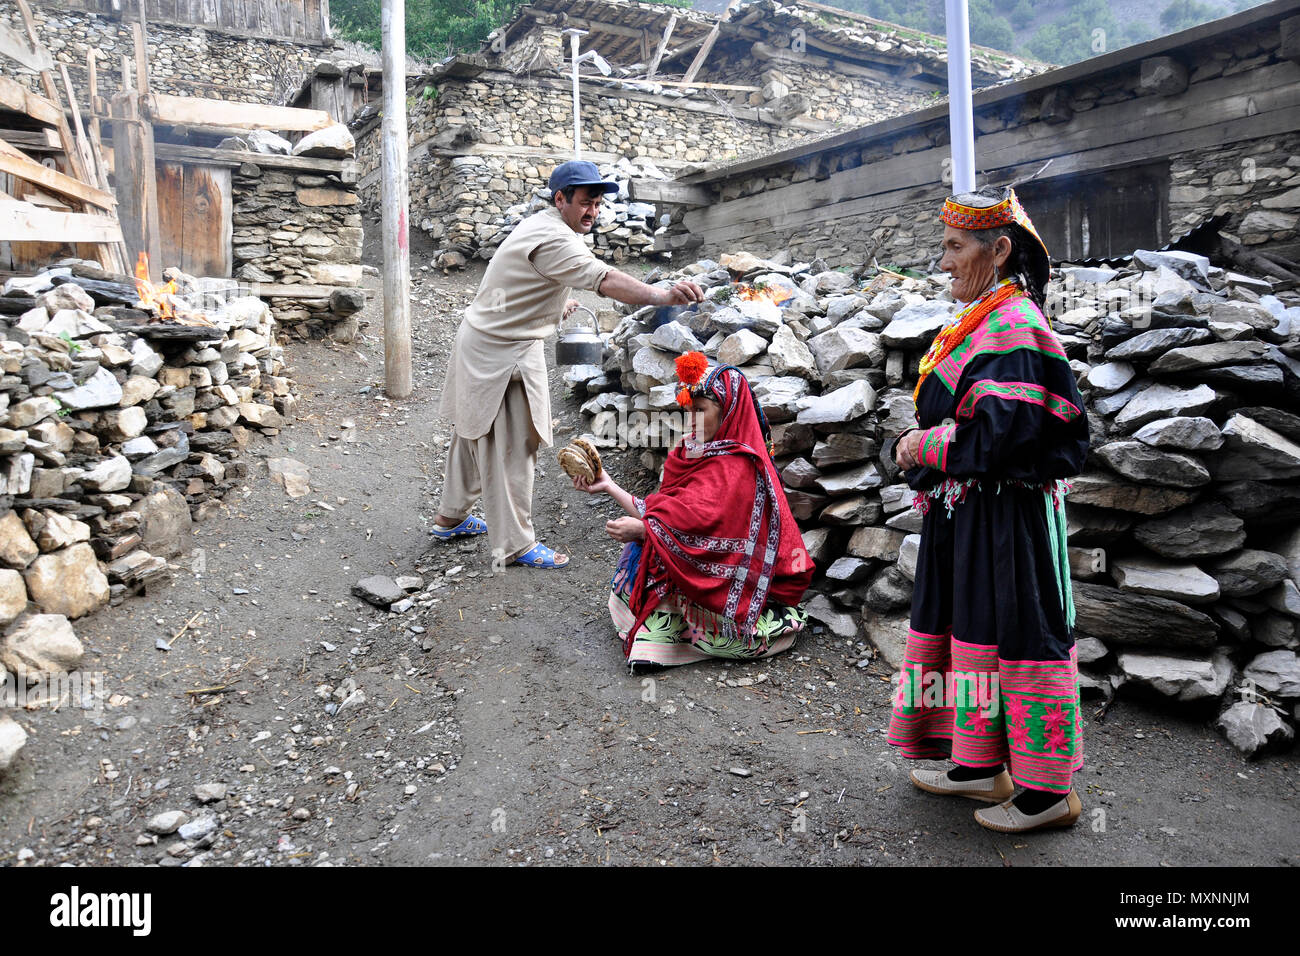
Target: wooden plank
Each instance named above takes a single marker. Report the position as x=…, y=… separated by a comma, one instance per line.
x=92, y=80
x=170, y=179
x=707, y=45
x=206, y=228
x=14, y=96
x=39, y=197
x=669, y=193
x=165, y=109
x=141, y=55
x=17, y=163
x=1096, y=68
x=325, y=19
x=19, y=48
x=312, y=19
x=985, y=99
x=698, y=86
x=212, y=156
x=88, y=160
x=1259, y=91
x=30, y=140
x=23, y=222
x=785, y=56
x=76, y=162
x=663, y=45
x=137, y=191
x=47, y=78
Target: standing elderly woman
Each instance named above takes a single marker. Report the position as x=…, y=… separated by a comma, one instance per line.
x=991, y=674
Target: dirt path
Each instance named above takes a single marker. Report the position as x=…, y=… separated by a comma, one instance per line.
x=498, y=722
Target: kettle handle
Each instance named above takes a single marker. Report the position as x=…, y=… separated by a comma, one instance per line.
x=595, y=326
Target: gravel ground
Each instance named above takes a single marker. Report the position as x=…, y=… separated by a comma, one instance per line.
x=495, y=722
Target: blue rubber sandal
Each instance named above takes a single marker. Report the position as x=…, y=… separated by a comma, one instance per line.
x=467, y=528
x=539, y=556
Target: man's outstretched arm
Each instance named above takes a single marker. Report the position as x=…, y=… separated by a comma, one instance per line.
x=622, y=287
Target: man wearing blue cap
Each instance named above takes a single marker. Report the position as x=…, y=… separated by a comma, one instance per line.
x=496, y=394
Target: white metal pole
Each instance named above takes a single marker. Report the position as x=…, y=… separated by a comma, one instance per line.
x=397, y=250
x=960, y=123
x=574, y=40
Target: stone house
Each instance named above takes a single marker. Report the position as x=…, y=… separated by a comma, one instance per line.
x=1128, y=150
x=253, y=51
x=684, y=88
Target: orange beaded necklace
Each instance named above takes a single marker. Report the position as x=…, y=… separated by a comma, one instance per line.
x=966, y=322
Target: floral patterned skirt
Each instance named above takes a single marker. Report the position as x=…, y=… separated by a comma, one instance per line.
x=669, y=638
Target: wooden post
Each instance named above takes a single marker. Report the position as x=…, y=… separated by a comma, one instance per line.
x=396, y=200
x=141, y=171
x=694, y=70
x=133, y=168
x=663, y=45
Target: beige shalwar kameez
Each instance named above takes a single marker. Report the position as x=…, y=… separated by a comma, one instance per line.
x=496, y=393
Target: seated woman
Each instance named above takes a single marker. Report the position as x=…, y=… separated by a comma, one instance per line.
x=713, y=564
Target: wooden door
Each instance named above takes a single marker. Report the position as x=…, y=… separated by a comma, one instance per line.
x=194, y=218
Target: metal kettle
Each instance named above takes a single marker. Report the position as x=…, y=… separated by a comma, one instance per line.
x=578, y=346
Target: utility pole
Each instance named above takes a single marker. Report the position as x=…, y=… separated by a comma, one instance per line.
x=396, y=200
x=575, y=38
x=961, y=124
x=591, y=56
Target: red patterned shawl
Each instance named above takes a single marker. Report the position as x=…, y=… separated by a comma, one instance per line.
x=719, y=531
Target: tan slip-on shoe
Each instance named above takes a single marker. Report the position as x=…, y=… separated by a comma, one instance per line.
x=1005, y=818
x=993, y=789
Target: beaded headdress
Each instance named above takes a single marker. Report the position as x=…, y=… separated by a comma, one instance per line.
x=980, y=211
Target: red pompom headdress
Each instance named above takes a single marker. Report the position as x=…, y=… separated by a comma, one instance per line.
x=690, y=369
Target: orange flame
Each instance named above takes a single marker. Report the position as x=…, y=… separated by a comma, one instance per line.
x=158, y=298
x=768, y=293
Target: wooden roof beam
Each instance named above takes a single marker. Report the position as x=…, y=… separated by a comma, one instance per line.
x=19, y=48
x=164, y=109
x=16, y=97
x=18, y=164
x=663, y=45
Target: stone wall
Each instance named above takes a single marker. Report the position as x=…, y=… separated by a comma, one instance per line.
x=841, y=99
x=190, y=61
x=1183, y=529
x=115, y=435
x=1256, y=183
x=1216, y=111
x=300, y=228
x=116, y=431
x=519, y=129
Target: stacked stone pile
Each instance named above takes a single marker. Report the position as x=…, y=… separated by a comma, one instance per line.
x=625, y=230
x=114, y=434
x=1184, y=529
x=300, y=228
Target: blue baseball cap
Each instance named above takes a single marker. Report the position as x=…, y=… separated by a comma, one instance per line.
x=578, y=172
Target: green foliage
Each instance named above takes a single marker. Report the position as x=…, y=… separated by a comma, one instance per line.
x=1046, y=29
x=434, y=28
x=988, y=28
x=1182, y=14
x=1087, y=29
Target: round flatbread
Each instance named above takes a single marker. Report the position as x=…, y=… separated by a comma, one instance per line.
x=589, y=450
x=575, y=463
